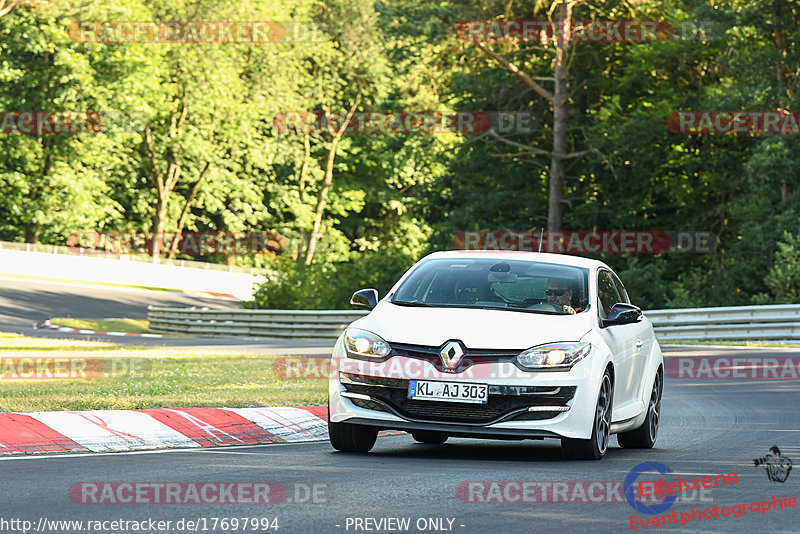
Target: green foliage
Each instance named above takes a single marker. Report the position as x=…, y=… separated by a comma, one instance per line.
x=328, y=286
x=783, y=279
x=49, y=184
x=644, y=282
x=396, y=197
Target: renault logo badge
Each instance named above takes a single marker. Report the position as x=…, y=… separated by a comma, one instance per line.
x=451, y=354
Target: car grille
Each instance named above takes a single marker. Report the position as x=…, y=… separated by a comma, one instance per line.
x=370, y=405
x=471, y=356
x=393, y=393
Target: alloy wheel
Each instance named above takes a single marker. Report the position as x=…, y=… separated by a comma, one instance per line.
x=654, y=408
x=602, y=421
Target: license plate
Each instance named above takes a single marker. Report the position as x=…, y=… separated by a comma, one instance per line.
x=448, y=391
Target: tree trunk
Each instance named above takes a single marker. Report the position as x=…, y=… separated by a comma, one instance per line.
x=32, y=231
x=785, y=92
x=186, y=210
x=159, y=223
x=559, y=99
x=555, y=202
x=165, y=184
x=322, y=197
x=322, y=200
x=304, y=166
x=301, y=191
x=779, y=39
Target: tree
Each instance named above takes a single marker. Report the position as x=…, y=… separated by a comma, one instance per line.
x=50, y=182
x=350, y=69
x=784, y=277
x=207, y=126
x=6, y=9
x=559, y=99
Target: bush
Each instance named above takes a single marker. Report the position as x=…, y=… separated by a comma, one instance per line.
x=329, y=286
x=644, y=282
x=783, y=279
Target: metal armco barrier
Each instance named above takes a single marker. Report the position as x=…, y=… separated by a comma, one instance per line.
x=778, y=322
x=781, y=322
x=323, y=324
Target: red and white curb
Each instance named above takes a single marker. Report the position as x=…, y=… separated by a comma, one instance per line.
x=46, y=324
x=158, y=428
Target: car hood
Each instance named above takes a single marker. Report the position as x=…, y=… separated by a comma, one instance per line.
x=476, y=328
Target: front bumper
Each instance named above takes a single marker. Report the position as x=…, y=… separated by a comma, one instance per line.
x=505, y=403
x=521, y=404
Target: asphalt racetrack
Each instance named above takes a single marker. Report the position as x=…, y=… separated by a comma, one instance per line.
x=709, y=427
x=26, y=302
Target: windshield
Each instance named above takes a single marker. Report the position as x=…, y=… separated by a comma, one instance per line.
x=496, y=284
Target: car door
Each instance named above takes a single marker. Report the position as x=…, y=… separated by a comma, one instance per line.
x=643, y=342
x=621, y=339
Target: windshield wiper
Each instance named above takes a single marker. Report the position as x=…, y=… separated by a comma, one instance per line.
x=416, y=303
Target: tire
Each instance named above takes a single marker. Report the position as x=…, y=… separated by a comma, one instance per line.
x=347, y=437
x=432, y=438
x=595, y=447
x=645, y=436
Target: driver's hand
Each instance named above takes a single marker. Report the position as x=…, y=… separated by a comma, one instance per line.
x=569, y=310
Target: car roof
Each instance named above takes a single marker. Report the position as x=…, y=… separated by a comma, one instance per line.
x=544, y=257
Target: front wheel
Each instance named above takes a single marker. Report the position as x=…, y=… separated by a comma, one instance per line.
x=595, y=447
x=347, y=437
x=645, y=436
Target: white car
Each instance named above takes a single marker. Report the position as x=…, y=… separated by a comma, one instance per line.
x=507, y=345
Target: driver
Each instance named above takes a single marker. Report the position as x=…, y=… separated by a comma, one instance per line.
x=559, y=292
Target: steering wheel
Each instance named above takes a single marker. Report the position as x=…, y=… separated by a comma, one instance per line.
x=531, y=301
x=556, y=307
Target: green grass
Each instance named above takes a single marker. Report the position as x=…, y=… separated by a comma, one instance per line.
x=162, y=378
x=133, y=326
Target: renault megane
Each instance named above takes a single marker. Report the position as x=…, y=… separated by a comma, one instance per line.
x=507, y=345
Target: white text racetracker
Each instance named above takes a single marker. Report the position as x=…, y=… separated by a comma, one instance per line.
x=400, y=524
x=447, y=391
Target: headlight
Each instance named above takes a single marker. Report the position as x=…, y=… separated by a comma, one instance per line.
x=365, y=344
x=554, y=355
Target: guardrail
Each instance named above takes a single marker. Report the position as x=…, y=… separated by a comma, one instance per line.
x=780, y=322
x=323, y=324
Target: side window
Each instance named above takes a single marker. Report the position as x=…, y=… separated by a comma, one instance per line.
x=620, y=289
x=607, y=293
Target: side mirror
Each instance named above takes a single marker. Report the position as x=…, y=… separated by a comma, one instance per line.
x=622, y=313
x=366, y=299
